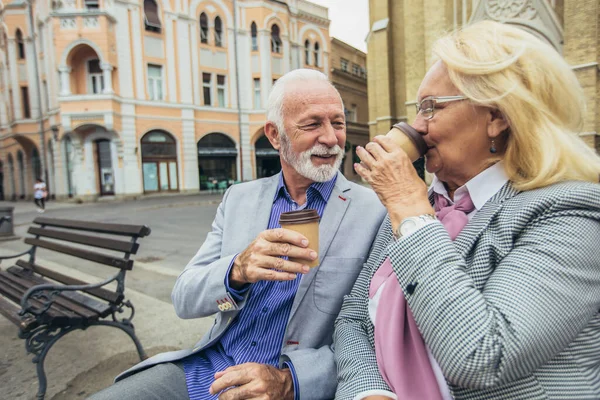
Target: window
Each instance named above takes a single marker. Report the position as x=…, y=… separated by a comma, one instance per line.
x=257, y=93
x=344, y=64
x=203, y=28
x=20, y=45
x=316, y=54
x=356, y=69
x=307, y=52
x=95, y=78
x=363, y=72
x=41, y=38
x=218, y=32
x=221, y=91
x=151, y=18
x=92, y=4
x=46, y=97
x=11, y=105
x=206, y=88
x=275, y=39
x=351, y=113
x=254, y=33
x=155, y=82
x=25, y=102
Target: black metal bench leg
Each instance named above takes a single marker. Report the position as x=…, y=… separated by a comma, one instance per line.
x=127, y=328
x=39, y=342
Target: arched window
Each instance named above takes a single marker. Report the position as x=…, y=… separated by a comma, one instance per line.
x=316, y=54
x=151, y=16
x=11, y=178
x=307, y=52
x=37, y=164
x=254, y=33
x=20, y=45
x=217, y=155
x=21, y=163
x=218, y=32
x=203, y=28
x=267, y=158
x=275, y=39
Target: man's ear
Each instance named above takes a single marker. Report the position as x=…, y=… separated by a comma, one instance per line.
x=272, y=134
x=497, y=123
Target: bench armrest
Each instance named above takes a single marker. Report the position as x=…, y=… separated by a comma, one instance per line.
x=45, y=293
x=28, y=251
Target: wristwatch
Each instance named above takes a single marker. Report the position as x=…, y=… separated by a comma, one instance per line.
x=411, y=224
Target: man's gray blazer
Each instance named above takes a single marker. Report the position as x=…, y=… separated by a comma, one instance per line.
x=509, y=310
x=347, y=229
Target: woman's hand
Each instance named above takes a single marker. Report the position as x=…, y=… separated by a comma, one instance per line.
x=389, y=171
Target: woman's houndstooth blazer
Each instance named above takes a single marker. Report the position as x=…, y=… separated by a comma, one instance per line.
x=510, y=309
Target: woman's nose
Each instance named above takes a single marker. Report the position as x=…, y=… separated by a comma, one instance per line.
x=420, y=124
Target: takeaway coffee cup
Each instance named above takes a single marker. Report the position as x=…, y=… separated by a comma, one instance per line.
x=305, y=222
x=409, y=139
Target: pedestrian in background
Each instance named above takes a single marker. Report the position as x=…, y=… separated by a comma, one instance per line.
x=39, y=195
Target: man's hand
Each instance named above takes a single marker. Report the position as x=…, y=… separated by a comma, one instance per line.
x=254, y=381
x=261, y=260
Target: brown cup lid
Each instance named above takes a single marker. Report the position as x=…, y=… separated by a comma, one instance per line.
x=414, y=136
x=299, y=217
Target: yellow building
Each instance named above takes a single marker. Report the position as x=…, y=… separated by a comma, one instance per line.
x=143, y=96
x=402, y=33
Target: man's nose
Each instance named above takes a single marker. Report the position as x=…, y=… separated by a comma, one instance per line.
x=328, y=136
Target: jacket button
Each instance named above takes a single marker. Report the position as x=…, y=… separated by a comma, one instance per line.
x=410, y=288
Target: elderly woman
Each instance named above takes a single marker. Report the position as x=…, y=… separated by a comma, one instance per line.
x=487, y=286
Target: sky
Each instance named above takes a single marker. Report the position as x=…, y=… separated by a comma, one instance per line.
x=349, y=20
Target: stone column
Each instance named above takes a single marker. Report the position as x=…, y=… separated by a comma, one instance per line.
x=189, y=153
x=107, y=75
x=65, y=84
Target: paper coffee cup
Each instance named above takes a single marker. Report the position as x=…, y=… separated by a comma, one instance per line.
x=305, y=222
x=409, y=140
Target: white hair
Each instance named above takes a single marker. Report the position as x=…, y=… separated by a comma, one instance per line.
x=277, y=95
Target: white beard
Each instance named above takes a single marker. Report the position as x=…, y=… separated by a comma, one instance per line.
x=303, y=164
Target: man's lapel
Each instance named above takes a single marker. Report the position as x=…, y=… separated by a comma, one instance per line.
x=328, y=226
x=260, y=205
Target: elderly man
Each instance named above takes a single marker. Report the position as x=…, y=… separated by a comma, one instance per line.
x=273, y=330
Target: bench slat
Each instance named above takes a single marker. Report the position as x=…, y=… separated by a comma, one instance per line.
x=10, y=311
x=100, y=227
x=15, y=293
x=85, y=254
x=101, y=308
x=101, y=293
x=59, y=300
x=95, y=241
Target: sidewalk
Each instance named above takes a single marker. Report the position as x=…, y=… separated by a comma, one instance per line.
x=84, y=362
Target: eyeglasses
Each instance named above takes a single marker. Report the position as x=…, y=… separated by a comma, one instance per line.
x=427, y=106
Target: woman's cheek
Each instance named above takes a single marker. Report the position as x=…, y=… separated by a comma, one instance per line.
x=433, y=161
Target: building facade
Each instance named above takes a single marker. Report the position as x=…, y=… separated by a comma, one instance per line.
x=348, y=74
x=402, y=33
x=145, y=96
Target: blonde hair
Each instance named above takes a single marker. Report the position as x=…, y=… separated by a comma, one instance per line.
x=503, y=67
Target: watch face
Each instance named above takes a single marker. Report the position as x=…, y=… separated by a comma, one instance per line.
x=407, y=226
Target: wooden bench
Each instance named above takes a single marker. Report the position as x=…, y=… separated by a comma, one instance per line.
x=46, y=304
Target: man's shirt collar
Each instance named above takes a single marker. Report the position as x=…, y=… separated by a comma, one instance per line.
x=323, y=189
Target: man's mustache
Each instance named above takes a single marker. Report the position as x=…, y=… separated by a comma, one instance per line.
x=322, y=150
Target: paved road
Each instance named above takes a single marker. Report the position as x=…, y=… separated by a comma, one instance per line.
x=179, y=226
